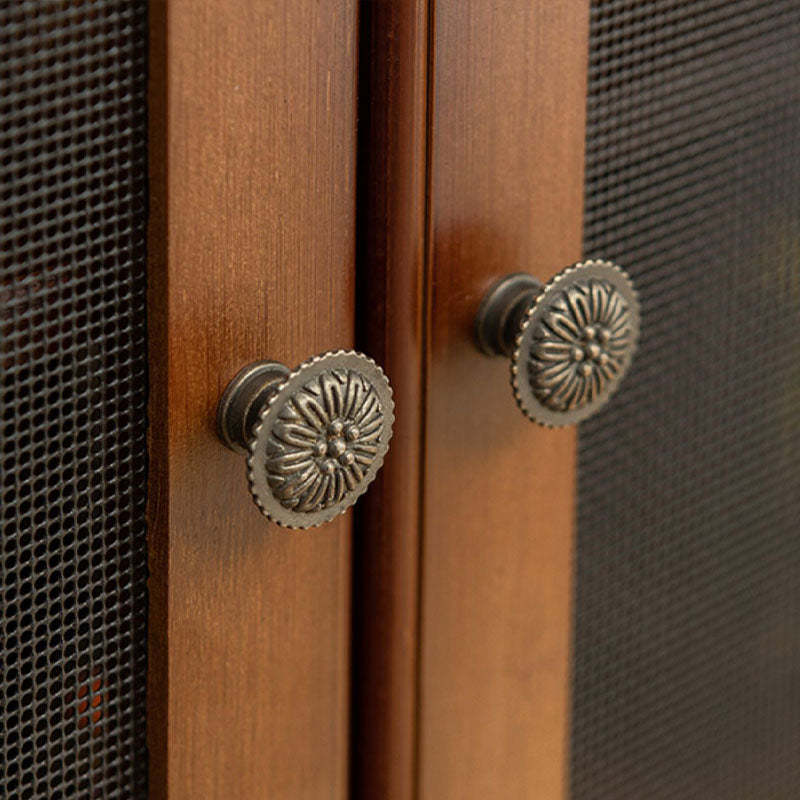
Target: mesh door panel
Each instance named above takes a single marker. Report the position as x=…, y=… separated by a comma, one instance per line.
x=73, y=360
x=686, y=671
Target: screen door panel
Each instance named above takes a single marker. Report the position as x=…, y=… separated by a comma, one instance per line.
x=73, y=606
x=686, y=670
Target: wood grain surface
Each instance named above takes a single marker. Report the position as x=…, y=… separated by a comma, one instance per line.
x=506, y=185
x=393, y=52
x=252, y=133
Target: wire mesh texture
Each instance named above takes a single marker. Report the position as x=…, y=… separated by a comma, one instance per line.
x=686, y=665
x=73, y=387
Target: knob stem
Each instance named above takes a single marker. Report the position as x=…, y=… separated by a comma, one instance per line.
x=247, y=394
x=501, y=312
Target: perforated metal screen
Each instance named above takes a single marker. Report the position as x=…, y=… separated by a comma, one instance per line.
x=686, y=673
x=72, y=456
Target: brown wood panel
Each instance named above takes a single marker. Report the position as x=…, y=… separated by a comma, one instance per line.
x=506, y=185
x=391, y=223
x=252, y=243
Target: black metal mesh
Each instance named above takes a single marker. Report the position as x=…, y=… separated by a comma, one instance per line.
x=686, y=671
x=73, y=357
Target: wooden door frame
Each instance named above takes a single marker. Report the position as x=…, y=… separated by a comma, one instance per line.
x=251, y=255
x=463, y=576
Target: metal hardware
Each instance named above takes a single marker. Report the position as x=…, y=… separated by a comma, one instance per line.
x=314, y=437
x=570, y=341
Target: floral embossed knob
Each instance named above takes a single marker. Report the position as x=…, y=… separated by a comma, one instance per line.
x=314, y=437
x=571, y=341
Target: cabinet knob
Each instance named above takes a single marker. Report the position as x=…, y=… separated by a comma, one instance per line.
x=314, y=437
x=570, y=341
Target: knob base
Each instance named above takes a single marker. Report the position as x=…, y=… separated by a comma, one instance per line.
x=502, y=309
x=242, y=401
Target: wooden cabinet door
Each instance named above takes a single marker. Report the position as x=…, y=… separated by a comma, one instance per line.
x=252, y=256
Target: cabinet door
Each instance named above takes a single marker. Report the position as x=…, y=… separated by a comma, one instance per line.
x=607, y=611
x=252, y=147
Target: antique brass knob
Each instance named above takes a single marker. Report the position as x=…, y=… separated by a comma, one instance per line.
x=571, y=341
x=314, y=437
